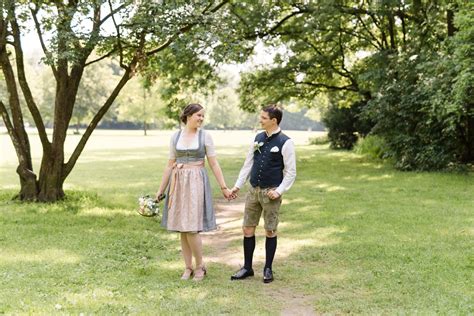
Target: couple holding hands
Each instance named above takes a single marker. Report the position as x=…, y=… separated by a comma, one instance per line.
x=188, y=209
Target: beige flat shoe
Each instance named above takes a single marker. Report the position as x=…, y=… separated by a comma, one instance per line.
x=187, y=274
x=200, y=273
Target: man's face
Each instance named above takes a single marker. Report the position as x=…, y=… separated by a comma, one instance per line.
x=265, y=121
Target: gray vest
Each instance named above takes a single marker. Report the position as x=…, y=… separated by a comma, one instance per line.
x=191, y=155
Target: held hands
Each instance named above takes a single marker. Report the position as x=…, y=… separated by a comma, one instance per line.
x=229, y=194
x=235, y=190
x=232, y=193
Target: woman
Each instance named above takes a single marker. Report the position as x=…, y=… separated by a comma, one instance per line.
x=188, y=206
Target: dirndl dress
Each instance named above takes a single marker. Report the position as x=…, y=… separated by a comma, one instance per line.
x=188, y=205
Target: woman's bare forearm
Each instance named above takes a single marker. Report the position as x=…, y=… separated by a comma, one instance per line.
x=166, y=177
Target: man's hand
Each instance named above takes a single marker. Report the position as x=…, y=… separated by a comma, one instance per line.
x=229, y=194
x=234, y=191
x=273, y=194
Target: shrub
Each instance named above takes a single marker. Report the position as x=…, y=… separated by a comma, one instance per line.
x=345, y=124
x=319, y=140
x=372, y=146
x=424, y=107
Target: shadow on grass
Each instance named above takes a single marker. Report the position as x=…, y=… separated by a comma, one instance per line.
x=357, y=236
x=73, y=202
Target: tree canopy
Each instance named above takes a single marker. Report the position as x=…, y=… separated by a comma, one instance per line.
x=405, y=67
x=156, y=38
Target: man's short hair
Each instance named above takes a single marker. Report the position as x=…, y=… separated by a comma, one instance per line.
x=274, y=111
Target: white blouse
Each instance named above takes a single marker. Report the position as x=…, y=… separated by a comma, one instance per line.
x=208, y=143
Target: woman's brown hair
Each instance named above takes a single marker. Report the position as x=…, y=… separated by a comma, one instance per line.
x=189, y=110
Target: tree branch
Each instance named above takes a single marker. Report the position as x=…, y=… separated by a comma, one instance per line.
x=217, y=7
x=380, y=27
x=275, y=27
x=43, y=45
x=346, y=74
x=112, y=12
x=119, y=42
x=162, y=46
x=241, y=19
x=13, y=135
x=361, y=36
x=93, y=39
x=101, y=58
x=380, y=45
x=343, y=61
x=14, y=100
x=327, y=86
x=182, y=30
x=30, y=102
x=97, y=118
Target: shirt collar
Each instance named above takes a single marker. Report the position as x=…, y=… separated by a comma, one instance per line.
x=278, y=130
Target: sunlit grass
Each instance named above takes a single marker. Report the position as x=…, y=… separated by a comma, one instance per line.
x=355, y=236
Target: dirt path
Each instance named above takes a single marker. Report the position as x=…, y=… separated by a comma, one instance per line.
x=225, y=244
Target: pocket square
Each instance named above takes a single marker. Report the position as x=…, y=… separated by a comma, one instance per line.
x=274, y=149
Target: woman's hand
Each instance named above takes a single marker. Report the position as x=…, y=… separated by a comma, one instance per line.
x=158, y=195
x=228, y=194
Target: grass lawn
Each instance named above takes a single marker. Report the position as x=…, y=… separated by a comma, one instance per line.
x=355, y=237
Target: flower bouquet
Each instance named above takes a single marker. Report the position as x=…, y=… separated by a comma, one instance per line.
x=148, y=206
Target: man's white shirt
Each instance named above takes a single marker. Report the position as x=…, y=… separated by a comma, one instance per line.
x=289, y=170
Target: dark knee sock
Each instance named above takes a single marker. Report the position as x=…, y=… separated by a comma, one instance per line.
x=249, y=247
x=270, y=249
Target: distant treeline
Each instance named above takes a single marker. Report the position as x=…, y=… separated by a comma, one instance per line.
x=291, y=121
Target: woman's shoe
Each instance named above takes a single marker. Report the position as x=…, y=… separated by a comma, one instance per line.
x=200, y=273
x=187, y=274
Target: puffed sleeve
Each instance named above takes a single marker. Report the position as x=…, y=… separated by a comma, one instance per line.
x=172, y=147
x=209, y=144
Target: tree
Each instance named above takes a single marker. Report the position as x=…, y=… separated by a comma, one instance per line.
x=140, y=103
x=424, y=109
x=144, y=32
x=386, y=55
x=93, y=91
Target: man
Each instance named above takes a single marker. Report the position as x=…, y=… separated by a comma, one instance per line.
x=271, y=166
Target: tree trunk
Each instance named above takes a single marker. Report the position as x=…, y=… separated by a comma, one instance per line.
x=467, y=155
x=392, y=31
x=49, y=187
x=51, y=177
x=50, y=183
x=28, y=184
x=450, y=23
x=144, y=128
